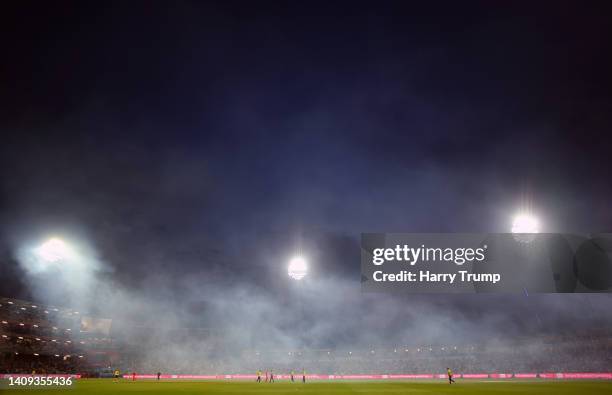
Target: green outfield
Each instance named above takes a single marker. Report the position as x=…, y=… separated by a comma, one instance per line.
x=107, y=386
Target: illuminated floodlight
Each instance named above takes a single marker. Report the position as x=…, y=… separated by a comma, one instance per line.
x=525, y=224
x=298, y=268
x=54, y=250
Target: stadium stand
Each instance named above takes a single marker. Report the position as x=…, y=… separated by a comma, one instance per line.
x=48, y=339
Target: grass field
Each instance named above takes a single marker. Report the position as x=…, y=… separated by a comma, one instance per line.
x=107, y=386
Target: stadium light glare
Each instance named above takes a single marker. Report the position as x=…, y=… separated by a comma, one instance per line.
x=54, y=250
x=298, y=268
x=525, y=223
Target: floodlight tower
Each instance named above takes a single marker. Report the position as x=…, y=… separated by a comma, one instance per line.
x=54, y=250
x=525, y=226
x=525, y=223
x=297, y=270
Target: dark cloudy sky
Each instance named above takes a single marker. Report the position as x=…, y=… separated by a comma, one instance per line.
x=212, y=139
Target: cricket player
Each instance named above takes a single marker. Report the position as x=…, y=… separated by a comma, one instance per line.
x=449, y=372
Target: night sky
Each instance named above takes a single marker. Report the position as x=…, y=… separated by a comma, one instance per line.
x=210, y=141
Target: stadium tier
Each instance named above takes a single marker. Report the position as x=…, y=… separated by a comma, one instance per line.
x=60, y=340
x=48, y=339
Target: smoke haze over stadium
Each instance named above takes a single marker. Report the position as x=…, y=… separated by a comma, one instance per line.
x=189, y=150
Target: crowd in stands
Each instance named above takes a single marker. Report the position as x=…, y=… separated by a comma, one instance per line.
x=49, y=340
x=43, y=339
x=41, y=364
